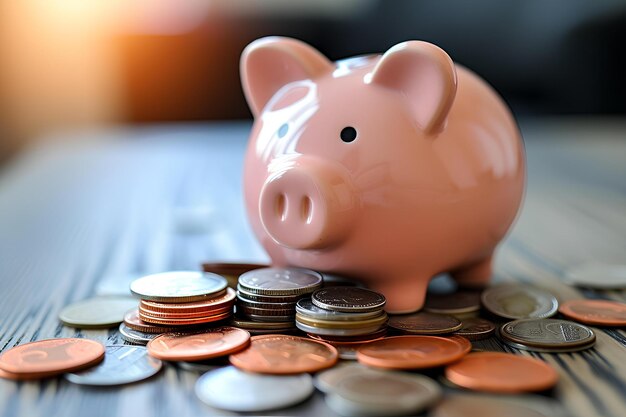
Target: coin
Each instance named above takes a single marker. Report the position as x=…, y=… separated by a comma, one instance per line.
x=132, y=320
x=258, y=325
x=281, y=354
x=181, y=316
x=97, y=312
x=348, y=299
x=210, y=343
x=290, y=306
x=250, y=296
x=223, y=301
x=413, y=352
x=281, y=281
x=457, y=303
x=339, y=331
x=595, y=312
x=378, y=393
x=234, y=390
x=184, y=322
x=501, y=372
x=306, y=308
x=549, y=334
x=228, y=268
x=464, y=405
x=424, y=323
x=122, y=365
x=179, y=286
x=331, y=324
x=514, y=301
x=597, y=275
x=51, y=357
x=135, y=336
x=346, y=340
x=266, y=318
x=476, y=329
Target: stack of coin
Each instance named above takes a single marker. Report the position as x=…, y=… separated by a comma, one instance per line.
x=343, y=316
x=266, y=297
x=183, y=298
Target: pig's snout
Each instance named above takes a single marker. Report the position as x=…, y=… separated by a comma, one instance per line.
x=308, y=205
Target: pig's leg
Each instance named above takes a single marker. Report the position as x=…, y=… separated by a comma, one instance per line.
x=404, y=295
x=475, y=275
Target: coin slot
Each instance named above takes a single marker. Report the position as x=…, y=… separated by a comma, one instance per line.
x=306, y=209
x=281, y=207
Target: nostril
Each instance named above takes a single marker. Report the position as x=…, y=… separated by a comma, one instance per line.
x=281, y=207
x=306, y=209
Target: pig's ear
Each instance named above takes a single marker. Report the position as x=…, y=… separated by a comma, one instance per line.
x=425, y=75
x=269, y=63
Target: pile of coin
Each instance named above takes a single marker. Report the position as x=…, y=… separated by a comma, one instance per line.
x=183, y=298
x=344, y=317
x=532, y=328
x=266, y=298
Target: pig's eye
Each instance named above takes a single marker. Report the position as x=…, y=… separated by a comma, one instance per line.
x=282, y=130
x=348, y=134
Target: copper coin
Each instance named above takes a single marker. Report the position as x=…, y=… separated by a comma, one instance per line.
x=459, y=302
x=424, y=323
x=595, y=312
x=501, y=372
x=189, y=315
x=228, y=268
x=51, y=357
x=132, y=320
x=198, y=346
x=282, y=355
x=413, y=352
x=208, y=305
x=185, y=322
x=476, y=329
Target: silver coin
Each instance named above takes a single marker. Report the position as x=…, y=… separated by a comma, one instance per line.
x=338, y=331
x=272, y=319
x=306, y=307
x=250, y=296
x=178, y=286
x=197, y=366
x=597, y=275
x=242, y=301
x=122, y=364
x=97, y=312
x=532, y=348
x=463, y=405
x=514, y=301
x=547, y=334
x=135, y=336
x=280, y=281
x=258, y=325
x=348, y=299
x=327, y=381
x=382, y=394
x=234, y=390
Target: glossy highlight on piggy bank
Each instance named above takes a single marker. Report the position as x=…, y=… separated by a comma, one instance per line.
x=390, y=169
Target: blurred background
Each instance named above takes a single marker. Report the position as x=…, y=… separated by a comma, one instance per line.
x=71, y=64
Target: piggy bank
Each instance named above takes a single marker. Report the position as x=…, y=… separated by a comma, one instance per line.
x=391, y=169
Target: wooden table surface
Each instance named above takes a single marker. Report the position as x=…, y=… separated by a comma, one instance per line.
x=86, y=212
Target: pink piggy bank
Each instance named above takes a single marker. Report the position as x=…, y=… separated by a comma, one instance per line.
x=391, y=169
